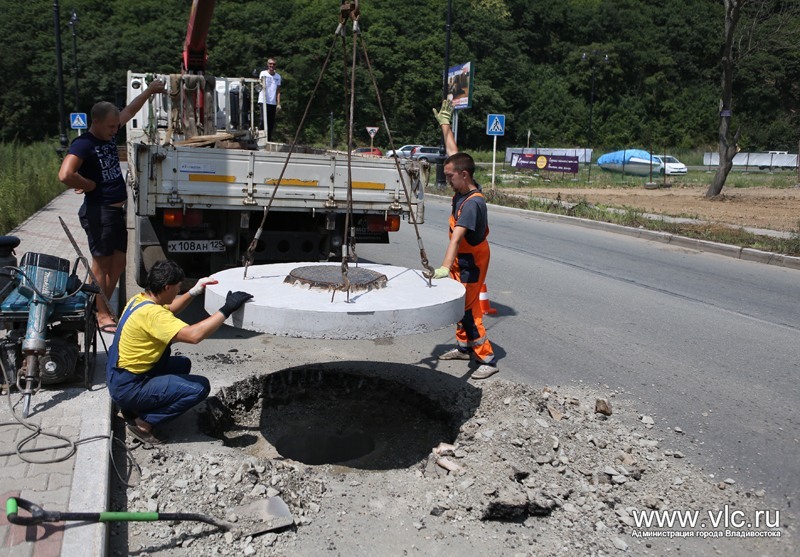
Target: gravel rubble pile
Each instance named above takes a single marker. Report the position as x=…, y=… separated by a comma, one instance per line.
x=530, y=472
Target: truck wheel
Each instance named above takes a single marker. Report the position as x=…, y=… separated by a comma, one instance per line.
x=140, y=273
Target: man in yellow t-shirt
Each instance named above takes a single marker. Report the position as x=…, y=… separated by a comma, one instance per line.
x=149, y=384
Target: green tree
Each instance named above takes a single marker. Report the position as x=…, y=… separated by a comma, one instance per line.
x=660, y=85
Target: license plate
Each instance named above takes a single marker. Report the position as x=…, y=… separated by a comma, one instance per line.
x=188, y=246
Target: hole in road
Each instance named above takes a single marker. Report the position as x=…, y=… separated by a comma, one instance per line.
x=335, y=414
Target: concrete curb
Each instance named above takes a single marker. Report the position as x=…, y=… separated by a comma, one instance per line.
x=91, y=477
x=737, y=252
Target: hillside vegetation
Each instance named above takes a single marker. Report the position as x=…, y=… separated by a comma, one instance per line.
x=659, y=87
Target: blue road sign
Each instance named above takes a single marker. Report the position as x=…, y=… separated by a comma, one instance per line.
x=496, y=124
x=77, y=120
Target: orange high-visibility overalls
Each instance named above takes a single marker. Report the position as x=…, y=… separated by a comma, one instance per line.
x=469, y=268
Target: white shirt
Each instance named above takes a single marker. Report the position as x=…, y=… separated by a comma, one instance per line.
x=270, y=83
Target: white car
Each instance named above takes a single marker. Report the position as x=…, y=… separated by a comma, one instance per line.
x=671, y=166
x=403, y=152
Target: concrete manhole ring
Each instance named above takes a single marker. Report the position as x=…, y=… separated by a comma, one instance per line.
x=406, y=305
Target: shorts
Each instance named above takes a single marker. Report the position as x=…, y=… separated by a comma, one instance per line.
x=105, y=229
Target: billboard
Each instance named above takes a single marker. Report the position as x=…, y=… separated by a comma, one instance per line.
x=459, y=85
x=545, y=162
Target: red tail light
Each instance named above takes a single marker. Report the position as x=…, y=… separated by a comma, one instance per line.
x=173, y=218
x=177, y=218
x=193, y=218
x=379, y=224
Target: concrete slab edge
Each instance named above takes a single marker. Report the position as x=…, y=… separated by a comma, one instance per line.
x=737, y=252
x=91, y=476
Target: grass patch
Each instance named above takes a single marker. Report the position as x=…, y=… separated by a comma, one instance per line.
x=28, y=181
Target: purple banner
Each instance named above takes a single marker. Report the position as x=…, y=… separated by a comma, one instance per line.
x=554, y=163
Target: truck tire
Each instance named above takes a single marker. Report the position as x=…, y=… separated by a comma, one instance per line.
x=140, y=273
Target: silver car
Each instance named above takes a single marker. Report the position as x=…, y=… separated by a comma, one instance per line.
x=429, y=154
x=403, y=152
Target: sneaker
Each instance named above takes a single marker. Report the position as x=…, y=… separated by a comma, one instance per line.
x=485, y=371
x=455, y=354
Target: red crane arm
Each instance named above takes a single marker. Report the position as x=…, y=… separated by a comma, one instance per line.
x=195, y=53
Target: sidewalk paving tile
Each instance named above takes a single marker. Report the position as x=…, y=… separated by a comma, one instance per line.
x=80, y=482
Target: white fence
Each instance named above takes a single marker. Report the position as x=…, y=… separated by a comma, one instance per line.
x=584, y=155
x=756, y=160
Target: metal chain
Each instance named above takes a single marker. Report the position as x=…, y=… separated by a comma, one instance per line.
x=423, y=256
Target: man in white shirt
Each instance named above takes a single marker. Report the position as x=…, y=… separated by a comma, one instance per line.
x=270, y=96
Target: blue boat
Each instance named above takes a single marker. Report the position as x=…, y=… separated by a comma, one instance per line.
x=635, y=162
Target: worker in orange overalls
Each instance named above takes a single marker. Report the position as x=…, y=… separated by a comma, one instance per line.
x=467, y=256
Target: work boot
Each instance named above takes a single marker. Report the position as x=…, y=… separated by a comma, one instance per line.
x=485, y=371
x=455, y=354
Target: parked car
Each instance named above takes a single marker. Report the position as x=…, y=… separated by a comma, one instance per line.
x=367, y=152
x=671, y=166
x=429, y=154
x=403, y=152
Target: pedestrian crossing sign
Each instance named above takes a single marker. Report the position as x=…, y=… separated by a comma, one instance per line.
x=496, y=124
x=77, y=120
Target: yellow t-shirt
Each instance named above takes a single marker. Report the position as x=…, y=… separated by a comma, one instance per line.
x=146, y=334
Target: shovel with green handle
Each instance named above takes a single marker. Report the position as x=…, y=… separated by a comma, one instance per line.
x=264, y=515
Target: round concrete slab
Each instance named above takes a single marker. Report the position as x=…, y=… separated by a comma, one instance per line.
x=405, y=306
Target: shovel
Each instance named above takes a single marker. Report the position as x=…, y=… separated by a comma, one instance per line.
x=264, y=515
x=267, y=515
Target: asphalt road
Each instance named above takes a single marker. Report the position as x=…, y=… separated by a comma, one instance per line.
x=698, y=341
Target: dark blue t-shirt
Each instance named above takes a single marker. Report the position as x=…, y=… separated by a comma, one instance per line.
x=474, y=216
x=101, y=165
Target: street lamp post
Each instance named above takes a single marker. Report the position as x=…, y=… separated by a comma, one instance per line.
x=592, y=59
x=60, y=76
x=73, y=22
x=440, y=180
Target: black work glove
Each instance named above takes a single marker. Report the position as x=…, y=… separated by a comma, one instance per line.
x=233, y=301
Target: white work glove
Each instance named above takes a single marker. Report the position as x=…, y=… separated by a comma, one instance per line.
x=278, y=107
x=445, y=114
x=198, y=288
x=441, y=273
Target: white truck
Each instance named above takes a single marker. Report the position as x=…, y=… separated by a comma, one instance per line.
x=202, y=175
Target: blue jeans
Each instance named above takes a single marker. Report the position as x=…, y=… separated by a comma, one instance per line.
x=161, y=394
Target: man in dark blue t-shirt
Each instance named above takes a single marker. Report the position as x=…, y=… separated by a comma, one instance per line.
x=92, y=167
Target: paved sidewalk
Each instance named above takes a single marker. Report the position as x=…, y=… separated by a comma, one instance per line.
x=81, y=481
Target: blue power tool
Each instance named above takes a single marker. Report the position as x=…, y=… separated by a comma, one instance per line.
x=43, y=307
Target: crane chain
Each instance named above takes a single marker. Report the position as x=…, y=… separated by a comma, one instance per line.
x=428, y=273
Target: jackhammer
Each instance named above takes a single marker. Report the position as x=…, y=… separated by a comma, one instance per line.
x=43, y=307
